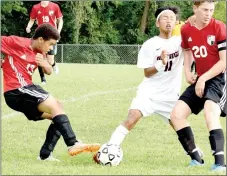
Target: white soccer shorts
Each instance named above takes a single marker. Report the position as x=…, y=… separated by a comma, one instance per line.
x=147, y=106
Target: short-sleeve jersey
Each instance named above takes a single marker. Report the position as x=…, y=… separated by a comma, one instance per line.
x=48, y=14
x=19, y=63
x=164, y=85
x=205, y=44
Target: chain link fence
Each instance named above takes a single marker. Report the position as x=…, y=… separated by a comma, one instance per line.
x=97, y=53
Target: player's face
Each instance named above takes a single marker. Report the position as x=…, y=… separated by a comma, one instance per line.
x=204, y=12
x=46, y=45
x=167, y=21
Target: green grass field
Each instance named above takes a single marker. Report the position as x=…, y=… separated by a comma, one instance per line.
x=96, y=99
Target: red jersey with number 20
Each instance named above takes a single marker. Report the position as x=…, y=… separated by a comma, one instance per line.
x=47, y=14
x=19, y=62
x=205, y=44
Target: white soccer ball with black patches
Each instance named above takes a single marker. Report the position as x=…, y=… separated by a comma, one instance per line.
x=109, y=154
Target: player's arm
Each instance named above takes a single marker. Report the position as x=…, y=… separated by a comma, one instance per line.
x=158, y=66
x=60, y=24
x=59, y=17
x=146, y=60
x=188, y=60
x=218, y=68
x=7, y=42
x=30, y=24
x=42, y=62
x=33, y=16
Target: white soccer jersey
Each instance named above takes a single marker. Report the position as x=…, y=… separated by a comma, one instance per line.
x=164, y=85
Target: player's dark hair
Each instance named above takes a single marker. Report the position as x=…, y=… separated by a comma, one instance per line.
x=47, y=32
x=159, y=10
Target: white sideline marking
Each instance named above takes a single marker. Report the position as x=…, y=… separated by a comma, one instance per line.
x=79, y=98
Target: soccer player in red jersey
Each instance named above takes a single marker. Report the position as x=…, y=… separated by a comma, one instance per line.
x=206, y=43
x=22, y=57
x=47, y=12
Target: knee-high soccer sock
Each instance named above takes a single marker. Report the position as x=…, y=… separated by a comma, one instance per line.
x=62, y=124
x=41, y=73
x=118, y=135
x=52, y=137
x=217, y=145
x=186, y=139
x=54, y=63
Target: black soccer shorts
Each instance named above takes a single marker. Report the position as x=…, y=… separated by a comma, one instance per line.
x=215, y=90
x=54, y=51
x=26, y=100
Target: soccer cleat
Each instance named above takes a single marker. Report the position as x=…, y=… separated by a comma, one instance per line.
x=56, y=69
x=95, y=159
x=218, y=168
x=43, y=83
x=50, y=158
x=196, y=163
x=79, y=147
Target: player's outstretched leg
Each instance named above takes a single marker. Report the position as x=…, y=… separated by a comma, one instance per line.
x=212, y=113
x=52, y=137
x=122, y=130
x=75, y=147
x=62, y=124
x=179, y=117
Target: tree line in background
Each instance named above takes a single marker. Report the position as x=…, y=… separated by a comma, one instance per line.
x=92, y=22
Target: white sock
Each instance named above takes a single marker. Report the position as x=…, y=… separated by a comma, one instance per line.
x=118, y=135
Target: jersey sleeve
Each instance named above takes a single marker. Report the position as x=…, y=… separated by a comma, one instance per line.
x=33, y=13
x=7, y=42
x=58, y=12
x=221, y=36
x=184, y=42
x=145, y=57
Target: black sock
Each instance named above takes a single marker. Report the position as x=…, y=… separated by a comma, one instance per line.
x=62, y=124
x=41, y=73
x=52, y=137
x=186, y=138
x=217, y=145
x=54, y=64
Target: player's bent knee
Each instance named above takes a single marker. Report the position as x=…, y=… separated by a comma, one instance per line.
x=133, y=118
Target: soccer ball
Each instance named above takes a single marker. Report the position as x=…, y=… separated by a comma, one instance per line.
x=109, y=154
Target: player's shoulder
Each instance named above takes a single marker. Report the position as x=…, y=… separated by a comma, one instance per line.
x=216, y=22
x=53, y=4
x=36, y=6
x=186, y=27
x=20, y=41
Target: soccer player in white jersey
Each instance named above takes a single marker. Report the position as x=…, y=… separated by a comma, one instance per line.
x=162, y=61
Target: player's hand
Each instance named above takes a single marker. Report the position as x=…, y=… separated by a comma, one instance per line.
x=164, y=57
x=199, y=87
x=190, y=77
x=28, y=30
x=39, y=58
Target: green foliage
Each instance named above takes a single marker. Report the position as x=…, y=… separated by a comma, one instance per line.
x=98, y=22
x=220, y=11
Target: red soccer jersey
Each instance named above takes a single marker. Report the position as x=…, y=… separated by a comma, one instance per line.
x=205, y=44
x=19, y=62
x=48, y=14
